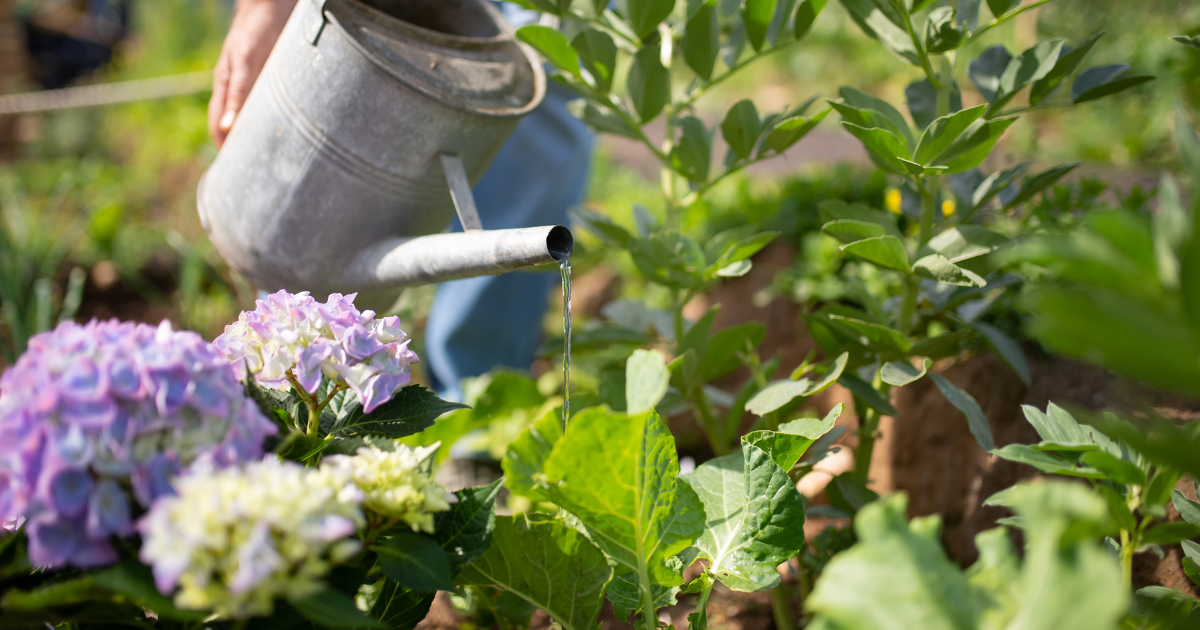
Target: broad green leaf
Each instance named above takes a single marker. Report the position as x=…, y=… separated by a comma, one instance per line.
x=774, y=396
x=644, y=15
x=526, y=456
x=1006, y=348
x=1049, y=463
x=1100, y=81
x=465, y=530
x=787, y=445
x=976, y=143
x=789, y=131
x=938, y=268
x=1114, y=468
x=901, y=373
x=1000, y=7
x=964, y=242
x=1188, y=509
x=726, y=345
x=1170, y=533
x=649, y=83
x=548, y=565
x=745, y=248
x=838, y=210
x=857, y=98
x=806, y=15
x=965, y=403
x=885, y=145
x=1193, y=41
x=1039, y=183
x=872, y=119
x=636, y=510
x=553, y=45
x=893, y=579
x=670, y=258
x=646, y=381
x=851, y=230
x=754, y=518
x=334, y=609
x=882, y=21
x=627, y=599
x=922, y=102
x=849, y=494
x=1057, y=426
x=701, y=40
x=876, y=333
x=601, y=225
x=1048, y=85
x=135, y=581
x=741, y=128
x=65, y=592
x=692, y=154
x=411, y=410
x=756, y=15
x=995, y=183
x=399, y=607
x=598, y=54
x=1029, y=66
x=942, y=31
x=986, y=69
x=887, y=251
x=602, y=119
x=942, y=133
x=868, y=394
x=415, y=561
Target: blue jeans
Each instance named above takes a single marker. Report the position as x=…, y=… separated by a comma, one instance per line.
x=481, y=323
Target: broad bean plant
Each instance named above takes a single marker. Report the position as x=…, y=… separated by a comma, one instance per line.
x=936, y=248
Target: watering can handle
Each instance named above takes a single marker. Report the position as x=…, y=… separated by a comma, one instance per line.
x=317, y=25
x=460, y=191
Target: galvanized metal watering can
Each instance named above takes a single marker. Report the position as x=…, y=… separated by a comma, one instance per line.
x=366, y=129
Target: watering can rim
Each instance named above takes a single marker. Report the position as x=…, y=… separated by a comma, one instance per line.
x=504, y=36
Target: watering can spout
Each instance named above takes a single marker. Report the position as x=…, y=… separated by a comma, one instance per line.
x=402, y=262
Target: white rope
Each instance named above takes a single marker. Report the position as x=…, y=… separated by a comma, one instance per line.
x=106, y=93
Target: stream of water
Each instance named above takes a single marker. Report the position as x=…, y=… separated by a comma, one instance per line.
x=565, y=268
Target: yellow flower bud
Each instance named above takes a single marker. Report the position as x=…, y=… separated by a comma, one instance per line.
x=892, y=200
x=948, y=207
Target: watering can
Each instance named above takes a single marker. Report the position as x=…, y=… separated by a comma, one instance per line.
x=361, y=138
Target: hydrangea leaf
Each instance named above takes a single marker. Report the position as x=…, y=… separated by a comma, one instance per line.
x=549, y=565
x=465, y=530
x=400, y=607
x=526, y=456
x=754, y=516
x=336, y=610
x=415, y=561
x=411, y=410
x=636, y=510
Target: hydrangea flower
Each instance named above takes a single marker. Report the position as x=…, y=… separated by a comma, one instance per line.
x=398, y=485
x=293, y=337
x=90, y=412
x=234, y=540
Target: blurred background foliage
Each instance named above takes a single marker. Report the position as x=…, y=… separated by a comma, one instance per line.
x=111, y=191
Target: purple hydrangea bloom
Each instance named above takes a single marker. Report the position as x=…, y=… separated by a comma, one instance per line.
x=93, y=414
x=293, y=337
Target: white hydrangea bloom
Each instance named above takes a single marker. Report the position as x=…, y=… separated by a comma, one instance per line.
x=234, y=540
x=397, y=484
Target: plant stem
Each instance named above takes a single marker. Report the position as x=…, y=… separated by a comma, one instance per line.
x=908, y=304
x=779, y=607
x=701, y=621
x=1127, y=548
x=928, y=192
x=1001, y=20
x=868, y=425
x=926, y=65
x=712, y=428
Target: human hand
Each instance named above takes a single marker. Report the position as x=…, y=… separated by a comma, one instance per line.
x=256, y=26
